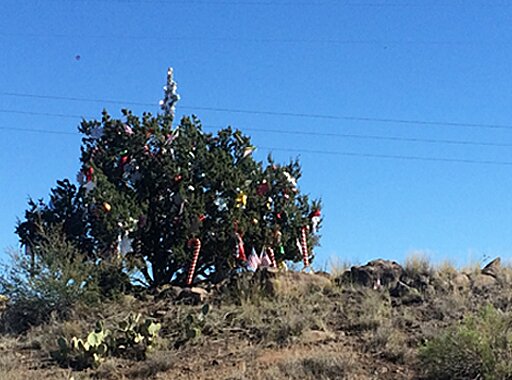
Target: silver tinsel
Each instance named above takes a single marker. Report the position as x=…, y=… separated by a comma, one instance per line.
x=171, y=97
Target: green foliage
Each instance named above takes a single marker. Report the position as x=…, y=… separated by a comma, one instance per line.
x=159, y=186
x=81, y=354
x=480, y=348
x=130, y=338
x=134, y=338
x=54, y=279
x=192, y=326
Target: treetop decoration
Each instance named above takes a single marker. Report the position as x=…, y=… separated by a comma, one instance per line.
x=171, y=97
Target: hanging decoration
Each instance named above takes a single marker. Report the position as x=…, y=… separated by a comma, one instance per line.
x=241, y=200
x=262, y=188
x=196, y=245
x=124, y=244
x=272, y=257
x=107, y=207
x=315, y=220
x=304, y=247
x=265, y=259
x=171, y=97
x=254, y=261
x=127, y=129
x=248, y=151
x=88, y=174
x=220, y=202
x=292, y=180
x=239, y=249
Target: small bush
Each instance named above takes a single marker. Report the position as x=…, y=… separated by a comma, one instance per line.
x=51, y=281
x=480, y=348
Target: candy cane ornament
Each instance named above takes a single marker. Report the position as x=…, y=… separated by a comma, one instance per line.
x=270, y=252
x=196, y=243
x=239, y=249
x=304, y=244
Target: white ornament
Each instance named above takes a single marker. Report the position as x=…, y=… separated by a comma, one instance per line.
x=171, y=97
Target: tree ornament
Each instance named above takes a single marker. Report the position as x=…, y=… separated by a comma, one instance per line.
x=278, y=236
x=262, y=188
x=241, y=200
x=239, y=249
x=265, y=259
x=292, y=180
x=221, y=203
x=248, y=151
x=127, y=129
x=315, y=219
x=124, y=244
x=123, y=161
x=304, y=247
x=171, y=97
x=254, y=261
x=89, y=173
x=196, y=245
x=272, y=257
x=178, y=178
x=202, y=217
x=107, y=207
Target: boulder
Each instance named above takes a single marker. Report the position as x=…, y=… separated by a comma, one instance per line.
x=286, y=283
x=376, y=274
x=193, y=296
x=482, y=282
x=407, y=294
x=460, y=282
x=493, y=268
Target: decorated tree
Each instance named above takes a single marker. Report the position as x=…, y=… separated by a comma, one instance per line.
x=154, y=197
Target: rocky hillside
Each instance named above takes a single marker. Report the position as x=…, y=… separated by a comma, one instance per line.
x=377, y=321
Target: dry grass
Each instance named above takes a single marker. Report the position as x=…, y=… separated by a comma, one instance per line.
x=256, y=330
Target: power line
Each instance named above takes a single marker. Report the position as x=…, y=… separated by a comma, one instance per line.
x=301, y=133
x=324, y=152
x=271, y=113
x=335, y=41
x=34, y=130
x=304, y=3
x=394, y=157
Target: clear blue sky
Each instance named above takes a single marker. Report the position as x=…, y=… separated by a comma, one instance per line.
x=446, y=61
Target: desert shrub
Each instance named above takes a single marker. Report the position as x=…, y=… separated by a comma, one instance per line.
x=316, y=367
x=47, y=284
x=479, y=348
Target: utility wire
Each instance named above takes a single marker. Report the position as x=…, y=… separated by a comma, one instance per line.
x=392, y=157
x=324, y=152
x=336, y=41
x=270, y=113
x=297, y=133
x=295, y=3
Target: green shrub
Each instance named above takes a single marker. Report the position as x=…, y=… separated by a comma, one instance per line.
x=50, y=282
x=131, y=338
x=479, y=348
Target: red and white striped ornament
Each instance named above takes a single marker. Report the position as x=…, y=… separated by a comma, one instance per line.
x=196, y=244
x=240, y=249
x=270, y=252
x=304, y=246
